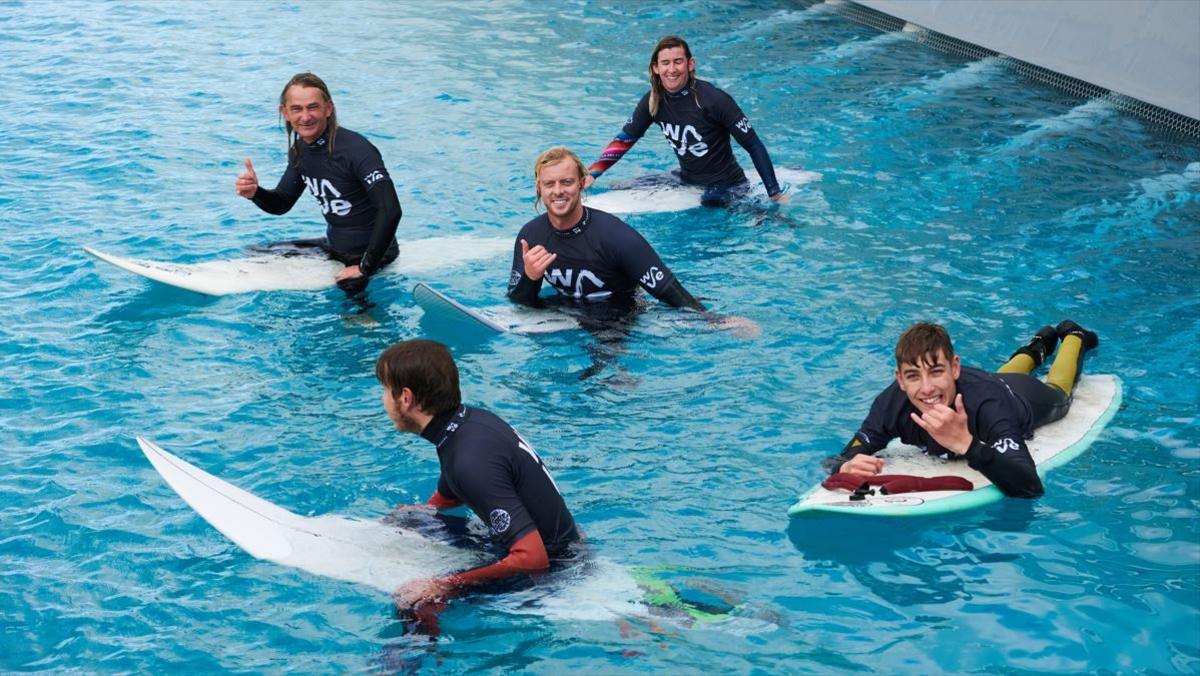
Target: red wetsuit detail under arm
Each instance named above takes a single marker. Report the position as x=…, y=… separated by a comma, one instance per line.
x=442, y=502
x=527, y=555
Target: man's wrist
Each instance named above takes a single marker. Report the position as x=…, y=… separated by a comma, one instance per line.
x=964, y=446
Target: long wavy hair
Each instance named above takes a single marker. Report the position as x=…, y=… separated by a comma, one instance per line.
x=656, y=85
x=293, y=139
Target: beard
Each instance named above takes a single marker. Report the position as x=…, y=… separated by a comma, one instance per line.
x=405, y=423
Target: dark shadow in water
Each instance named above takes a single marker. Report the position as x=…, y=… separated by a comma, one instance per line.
x=909, y=548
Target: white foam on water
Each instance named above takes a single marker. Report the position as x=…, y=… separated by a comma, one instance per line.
x=970, y=75
x=1087, y=115
x=860, y=47
x=781, y=19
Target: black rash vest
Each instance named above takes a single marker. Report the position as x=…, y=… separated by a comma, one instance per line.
x=352, y=187
x=699, y=134
x=487, y=465
x=601, y=258
x=999, y=420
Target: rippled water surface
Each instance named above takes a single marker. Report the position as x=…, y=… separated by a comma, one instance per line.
x=949, y=190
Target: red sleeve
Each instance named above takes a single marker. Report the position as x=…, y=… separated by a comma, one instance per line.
x=527, y=555
x=440, y=501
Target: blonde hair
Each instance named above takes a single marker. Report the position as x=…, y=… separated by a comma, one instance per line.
x=656, y=85
x=553, y=156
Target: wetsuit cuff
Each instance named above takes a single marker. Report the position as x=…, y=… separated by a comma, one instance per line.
x=978, y=454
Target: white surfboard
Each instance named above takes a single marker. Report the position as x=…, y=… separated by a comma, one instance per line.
x=1097, y=399
x=384, y=556
x=275, y=272
x=680, y=197
x=502, y=319
x=367, y=552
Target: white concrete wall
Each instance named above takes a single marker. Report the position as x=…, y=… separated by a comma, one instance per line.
x=1147, y=49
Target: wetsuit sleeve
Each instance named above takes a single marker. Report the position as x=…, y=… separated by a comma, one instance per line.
x=526, y=555
x=489, y=487
x=638, y=260
x=873, y=435
x=727, y=112
x=999, y=452
x=635, y=127
x=280, y=200
x=443, y=500
x=522, y=289
x=368, y=167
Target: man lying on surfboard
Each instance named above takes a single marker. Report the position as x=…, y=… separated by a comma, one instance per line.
x=955, y=411
x=590, y=256
x=485, y=464
x=697, y=119
x=344, y=172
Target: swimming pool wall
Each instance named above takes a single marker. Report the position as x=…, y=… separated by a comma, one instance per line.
x=1148, y=71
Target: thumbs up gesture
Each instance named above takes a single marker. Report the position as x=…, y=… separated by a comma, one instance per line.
x=247, y=181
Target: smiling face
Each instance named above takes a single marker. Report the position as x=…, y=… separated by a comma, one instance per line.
x=559, y=186
x=674, y=68
x=930, y=381
x=307, y=110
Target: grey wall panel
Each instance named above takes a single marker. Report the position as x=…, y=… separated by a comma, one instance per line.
x=1147, y=49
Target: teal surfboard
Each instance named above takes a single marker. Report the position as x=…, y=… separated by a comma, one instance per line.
x=1097, y=399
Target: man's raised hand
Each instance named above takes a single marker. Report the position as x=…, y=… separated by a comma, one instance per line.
x=536, y=260
x=247, y=181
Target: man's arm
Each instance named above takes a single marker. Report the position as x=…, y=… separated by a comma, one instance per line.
x=998, y=451
x=278, y=201
x=857, y=457
x=387, y=218
x=735, y=121
x=528, y=267
x=635, y=127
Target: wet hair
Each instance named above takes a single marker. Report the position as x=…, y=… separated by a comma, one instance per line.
x=554, y=156
x=426, y=368
x=656, y=85
x=922, y=342
x=293, y=139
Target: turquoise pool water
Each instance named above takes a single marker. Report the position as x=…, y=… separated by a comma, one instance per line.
x=950, y=190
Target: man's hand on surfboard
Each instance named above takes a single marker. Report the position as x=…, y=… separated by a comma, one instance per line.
x=862, y=465
x=247, y=181
x=348, y=272
x=422, y=590
x=947, y=426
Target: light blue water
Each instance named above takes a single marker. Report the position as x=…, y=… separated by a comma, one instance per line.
x=951, y=191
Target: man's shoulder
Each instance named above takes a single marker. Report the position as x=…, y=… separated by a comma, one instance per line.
x=709, y=91
x=535, y=225
x=353, y=143
x=482, y=424
x=604, y=219
x=979, y=387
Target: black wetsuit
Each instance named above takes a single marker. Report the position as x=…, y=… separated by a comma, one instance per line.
x=1002, y=412
x=355, y=193
x=487, y=465
x=601, y=258
x=697, y=121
